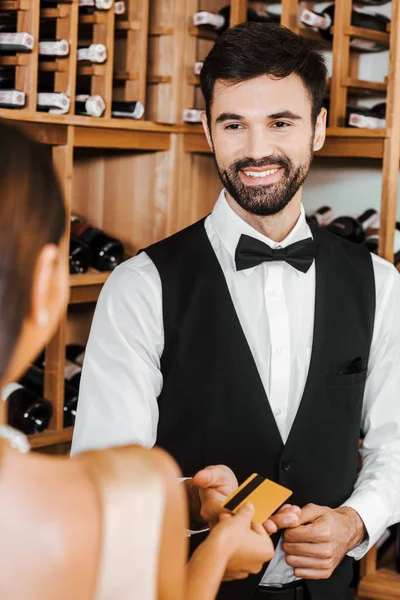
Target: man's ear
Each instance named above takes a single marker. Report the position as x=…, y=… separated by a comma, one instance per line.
x=206, y=130
x=320, y=130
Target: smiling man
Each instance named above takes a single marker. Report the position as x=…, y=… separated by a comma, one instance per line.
x=252, y=343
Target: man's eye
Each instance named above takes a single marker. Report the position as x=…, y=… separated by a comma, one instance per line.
x=281, y=124
x=234, y=126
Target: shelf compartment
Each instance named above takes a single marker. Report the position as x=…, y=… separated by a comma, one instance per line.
x=97, y=18
x=122, y=139
x=158, y=31
x=383, y=584
x=50, y=438
x=193, y=80
x=359, y=84
x=53, y=66
x=366, y=34
x=203, y=34
x=159, y=79
x=15, y=5
x=19, y=60
x=91, y=70
x=86, y=287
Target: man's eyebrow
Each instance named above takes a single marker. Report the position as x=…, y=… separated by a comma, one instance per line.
x=283, y=114
x=228, y=117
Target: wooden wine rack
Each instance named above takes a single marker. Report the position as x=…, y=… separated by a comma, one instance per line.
x=143, y=180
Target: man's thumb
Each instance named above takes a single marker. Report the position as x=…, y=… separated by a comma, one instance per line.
x=203, y=478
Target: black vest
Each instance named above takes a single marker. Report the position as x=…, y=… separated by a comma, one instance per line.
x=213, y=407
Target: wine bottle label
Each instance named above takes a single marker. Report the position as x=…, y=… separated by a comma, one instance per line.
x=310, y=18
x=367, y=45
x=362, y=121
x=57, y=103
x=10, y=389
x=94, y=105
x=56, y=48
x=13, y=98
x=135, y=113
x=192, y=115
x=71, y=369
x=202, y=18
x=197, y=67
x=103, y=4
x=120, y=8
x=16, y=41
x=95, y=53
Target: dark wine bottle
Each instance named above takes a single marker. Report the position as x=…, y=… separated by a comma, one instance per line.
x=12, y=98
x=89, y=106
x=33, y=380
x=320, y=217
x=122, y=109
x=72, y=371
x=323, y=22
x=107, y=252
x=192, y=115
x=53, y=103
x=369, y=118
x=75, y=353
x=80, y=256
x=95, y=53
x=372, y=243
x=27, y=411
x=90, y=5
x=220, y=21
x=53, y=48
x=353, y=229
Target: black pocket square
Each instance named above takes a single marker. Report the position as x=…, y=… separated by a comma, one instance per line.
x=354, y=366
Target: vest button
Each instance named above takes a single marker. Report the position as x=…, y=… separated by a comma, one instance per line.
x=286, y=465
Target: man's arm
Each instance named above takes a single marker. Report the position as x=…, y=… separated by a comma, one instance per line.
x=121, y=377
x=326, y=535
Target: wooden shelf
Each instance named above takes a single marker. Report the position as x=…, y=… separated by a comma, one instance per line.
x=86, y=287
x=61, y=12
x=19, y=60
x=126, y=76
x=203, y=34
x=127, y=25
x=15, y=5
x=359, y=84
x=366, y=34
x=50, y=438
x=91, y=70
x=381, y=585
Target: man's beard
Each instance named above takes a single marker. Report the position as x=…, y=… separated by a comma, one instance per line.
x=270, y=199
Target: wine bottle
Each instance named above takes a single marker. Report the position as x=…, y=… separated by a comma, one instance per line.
x=33, y=380
x=95, y=4
x=353, y=229
x=53, y=48
x=320, y=217
x=369, y=118
x=16, y=42
x=220, y=21
x=12, y=98
x=119, y=7
x=192, y=115
x=197, y=67
x=372, y=243
x=27, y=411
x=53, y=103
x=122, y=109
x=107, y=252
x=75, y=353
x=323, y=22
x=80, y=256
x=90, y=106
x=95, y=53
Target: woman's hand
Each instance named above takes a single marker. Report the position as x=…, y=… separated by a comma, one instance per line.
x=246, y=545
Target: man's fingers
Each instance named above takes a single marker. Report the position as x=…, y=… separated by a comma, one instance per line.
x=310, y=513
x=246, y=512
x=306, y=562
x=270, y=526
x=312, y=573
x=322, y=551
x=317, y=533
x=205, y=478
x=258, y=529
x=287, y=516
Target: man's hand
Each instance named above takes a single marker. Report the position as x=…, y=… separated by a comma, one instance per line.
x=213, y=485
x=324, y=536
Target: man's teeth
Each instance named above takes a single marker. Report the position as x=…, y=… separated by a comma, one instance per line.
x=260, y=173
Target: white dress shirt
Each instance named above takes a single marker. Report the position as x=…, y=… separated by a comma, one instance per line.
x=121, y=377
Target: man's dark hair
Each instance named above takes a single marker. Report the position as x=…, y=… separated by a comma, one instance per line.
x=252, y=49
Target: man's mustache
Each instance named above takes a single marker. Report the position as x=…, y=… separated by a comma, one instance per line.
x=257, y=164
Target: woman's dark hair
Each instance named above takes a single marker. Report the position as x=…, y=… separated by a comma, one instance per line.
x=32, y=214
x=253, y=49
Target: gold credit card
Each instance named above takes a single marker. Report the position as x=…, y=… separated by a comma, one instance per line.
x=266, y=496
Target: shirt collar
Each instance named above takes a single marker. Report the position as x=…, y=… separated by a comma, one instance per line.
x=229, y=227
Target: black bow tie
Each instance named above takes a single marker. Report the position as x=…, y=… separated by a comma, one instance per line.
x=251, y=252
